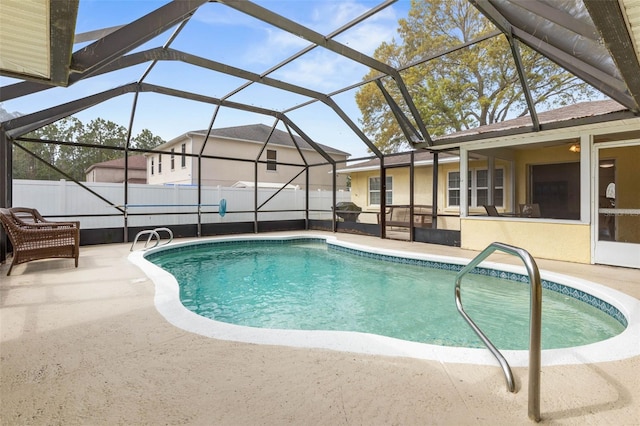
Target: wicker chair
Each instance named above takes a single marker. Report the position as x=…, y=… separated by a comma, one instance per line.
x=33, y=237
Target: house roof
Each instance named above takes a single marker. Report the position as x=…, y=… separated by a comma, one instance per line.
x=421, y=158
x=564, y=114
x=567, y=115
x=136, y=162
x=258, y=133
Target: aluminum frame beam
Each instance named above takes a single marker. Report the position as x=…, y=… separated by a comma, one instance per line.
x=158, y=54
x=24, y=124
x=309, y=48
x=63, y=15
x=609, y=20
x=559, y=17
x=62, y=21
x=105, y=55
x=127, y=38
x=318, y=39
x=405, y=125
x=590, y=73
x=515, y=52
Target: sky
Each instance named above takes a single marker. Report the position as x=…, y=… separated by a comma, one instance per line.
x=217, y=32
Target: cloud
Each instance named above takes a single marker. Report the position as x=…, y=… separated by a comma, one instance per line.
x=367, y=35
x=366, y=38
x=218, y=14
x=321, y=69
x=274, y=46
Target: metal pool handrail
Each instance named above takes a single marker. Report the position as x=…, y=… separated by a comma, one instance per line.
x=535, y=322
x=152, y=233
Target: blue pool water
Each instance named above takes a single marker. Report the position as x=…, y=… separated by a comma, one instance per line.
x=309, y=285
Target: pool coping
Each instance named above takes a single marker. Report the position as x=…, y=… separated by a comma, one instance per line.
x=167, y=302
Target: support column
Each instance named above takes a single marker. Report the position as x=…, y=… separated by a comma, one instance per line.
x=464, y=182
x=411, y=196
x=434, y=192
x=383, y=199
x=6, y=180
x=491, y=184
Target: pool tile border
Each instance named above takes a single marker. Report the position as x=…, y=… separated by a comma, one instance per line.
x=511, y=276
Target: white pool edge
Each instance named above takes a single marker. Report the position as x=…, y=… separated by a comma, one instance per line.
x=167, y=302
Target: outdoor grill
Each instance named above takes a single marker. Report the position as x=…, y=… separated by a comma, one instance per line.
x=348, y=211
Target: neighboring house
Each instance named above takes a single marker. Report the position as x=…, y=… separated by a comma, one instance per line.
x=230, y=154
x=565, y=171
x=113, y=170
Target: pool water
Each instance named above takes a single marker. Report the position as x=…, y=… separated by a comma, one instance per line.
x=306, y=285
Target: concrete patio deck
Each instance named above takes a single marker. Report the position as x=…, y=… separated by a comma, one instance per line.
x=86, y=346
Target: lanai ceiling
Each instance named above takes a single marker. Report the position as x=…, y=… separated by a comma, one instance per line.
x=596, y=40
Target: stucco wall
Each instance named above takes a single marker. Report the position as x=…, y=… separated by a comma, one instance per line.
x=423, y=189
x=547, y=240
x=103, y=174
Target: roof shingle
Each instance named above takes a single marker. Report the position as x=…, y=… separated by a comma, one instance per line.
x=260, y=132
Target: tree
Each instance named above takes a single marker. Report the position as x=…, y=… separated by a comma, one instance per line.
x=75, y=159
x=471, y=87
x=146, y=140
x=26, y=166
x=70, y=156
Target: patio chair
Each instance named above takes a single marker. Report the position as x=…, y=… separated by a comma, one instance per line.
x=33, y=237
x=491, y=210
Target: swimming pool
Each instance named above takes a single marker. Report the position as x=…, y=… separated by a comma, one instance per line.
x=358, y=340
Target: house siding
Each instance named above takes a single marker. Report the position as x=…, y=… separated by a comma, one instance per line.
x=227, y=172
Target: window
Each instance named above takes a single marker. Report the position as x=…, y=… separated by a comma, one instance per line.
x=159, y=163
x=183, y=159
x=453, y=188
x=374, y=191
x=152, y=162
x=482, y=188
x=271, y=159
x=173, y=159
x=478, y=188
x=498, y=187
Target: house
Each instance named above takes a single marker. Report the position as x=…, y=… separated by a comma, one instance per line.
x=580, y=172
x=113, y=170
x=365, y=184
x=241, y=154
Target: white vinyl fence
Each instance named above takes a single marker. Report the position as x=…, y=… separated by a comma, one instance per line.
x=65, y=198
